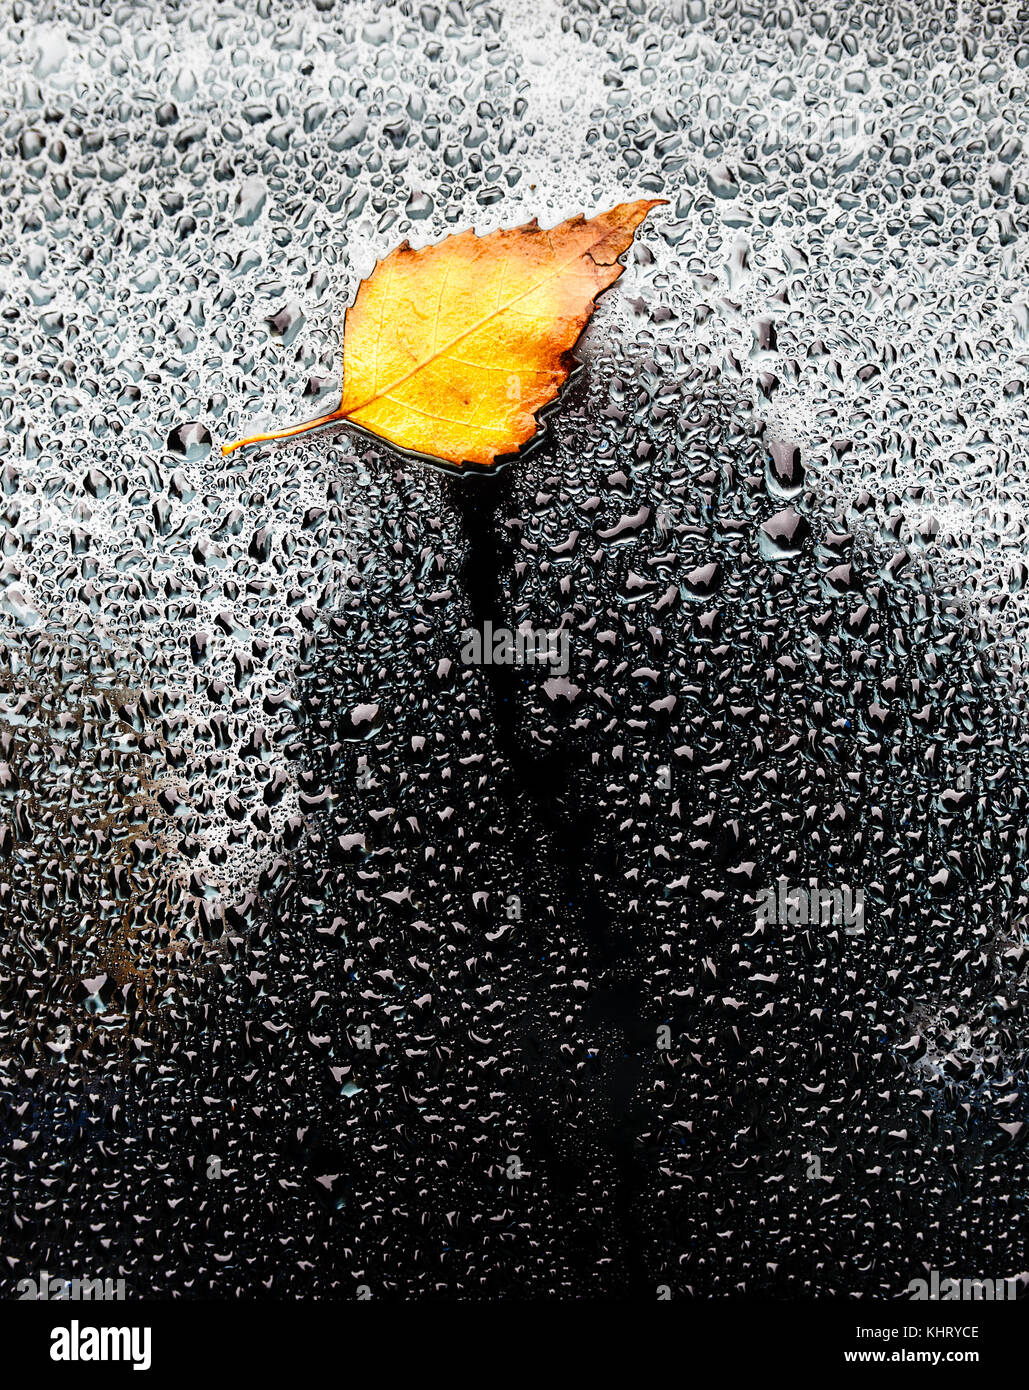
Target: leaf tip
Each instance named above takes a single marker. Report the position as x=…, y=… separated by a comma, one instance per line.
x=646, y=205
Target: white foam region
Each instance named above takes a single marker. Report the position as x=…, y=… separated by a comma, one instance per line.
x=845, y=232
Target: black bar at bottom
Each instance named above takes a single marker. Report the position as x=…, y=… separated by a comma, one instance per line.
x=66, y=1339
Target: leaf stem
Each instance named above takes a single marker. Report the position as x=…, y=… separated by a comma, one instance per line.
x=287, y=433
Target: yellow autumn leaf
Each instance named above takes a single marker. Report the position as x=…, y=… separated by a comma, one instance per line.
x=451, y=351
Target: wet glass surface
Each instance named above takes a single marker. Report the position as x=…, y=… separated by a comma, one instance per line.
x=335, y=961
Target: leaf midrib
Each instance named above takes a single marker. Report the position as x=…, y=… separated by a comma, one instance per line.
x=439, y=353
